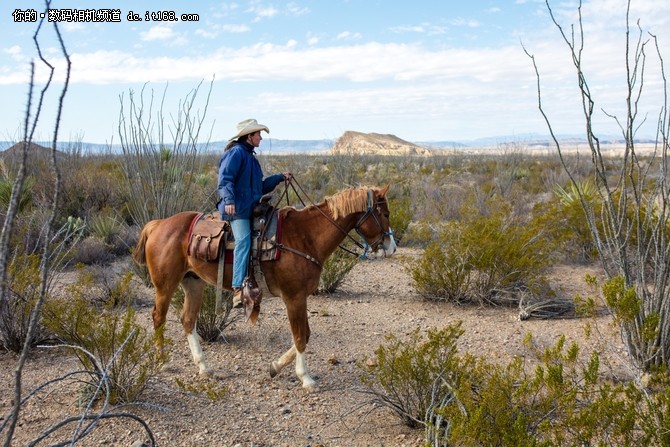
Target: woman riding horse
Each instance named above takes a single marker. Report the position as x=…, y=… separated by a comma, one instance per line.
x=308, y=237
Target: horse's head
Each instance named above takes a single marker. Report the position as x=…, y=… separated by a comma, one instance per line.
x=374, y=226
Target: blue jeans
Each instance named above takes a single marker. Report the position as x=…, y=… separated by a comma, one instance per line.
x=242, y=233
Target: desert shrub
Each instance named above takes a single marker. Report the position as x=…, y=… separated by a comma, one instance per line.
x=93, y=184
x=107, y=226
x=435, y=201
x=467, y=401
x=442, y=274
x=209, y=325
x=107, y=288
x=28, y=231
x=484, y=258
x=91, y=250
x=401, y=216
x=404, y=373
x=420, y=234
x=166, y=152
x=23, y=291
x=111, y=346
x=25, y=196
x=566, y=221
x=104, y=226
x=335, y=270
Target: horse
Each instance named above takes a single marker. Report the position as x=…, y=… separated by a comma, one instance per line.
x=309, y=236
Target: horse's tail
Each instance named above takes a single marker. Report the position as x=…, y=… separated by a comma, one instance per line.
x=139, y=254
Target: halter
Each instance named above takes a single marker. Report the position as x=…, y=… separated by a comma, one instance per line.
x=375, y=244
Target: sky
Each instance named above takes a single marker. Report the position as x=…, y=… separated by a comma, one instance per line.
x=425, y=70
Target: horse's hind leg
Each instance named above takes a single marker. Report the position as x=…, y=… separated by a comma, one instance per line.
x=282, y=361
x=164, y=292
x=193, y=293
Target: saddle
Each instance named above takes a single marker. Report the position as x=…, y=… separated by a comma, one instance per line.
x=211, y=237
x=211, y=240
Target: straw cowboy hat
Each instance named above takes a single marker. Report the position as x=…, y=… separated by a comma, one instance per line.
x=248, y=126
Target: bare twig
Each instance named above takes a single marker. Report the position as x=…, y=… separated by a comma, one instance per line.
x=630, y=230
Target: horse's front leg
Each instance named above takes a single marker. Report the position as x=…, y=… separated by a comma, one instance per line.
x=296, y=308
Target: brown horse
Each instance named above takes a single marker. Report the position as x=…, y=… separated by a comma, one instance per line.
x=309, y=236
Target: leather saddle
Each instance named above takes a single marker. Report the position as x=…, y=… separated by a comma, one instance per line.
x=211, y=237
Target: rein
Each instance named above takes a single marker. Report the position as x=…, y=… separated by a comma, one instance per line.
x=292, y=182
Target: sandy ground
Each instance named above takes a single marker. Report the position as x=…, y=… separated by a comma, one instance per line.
x=376, y=299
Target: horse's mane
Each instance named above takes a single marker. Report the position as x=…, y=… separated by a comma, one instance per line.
x=352, y=200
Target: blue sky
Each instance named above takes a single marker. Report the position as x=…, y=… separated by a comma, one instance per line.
x=424, y=70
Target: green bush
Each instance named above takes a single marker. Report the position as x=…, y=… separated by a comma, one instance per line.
x=90, y=251
x=116, y=351
x=335, y=270
x=108, y=227
x=209, y=325
x=484, y=258
x=25, y=196
x=401, y=216
x=564, y=221
x=407, y=375
x=467, y=401
x=23, y=291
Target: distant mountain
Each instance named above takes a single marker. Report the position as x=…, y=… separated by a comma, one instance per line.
x=269, y=146
x=376, y=144
x=38, y=157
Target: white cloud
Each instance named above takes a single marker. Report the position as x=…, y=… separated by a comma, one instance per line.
x=296, y=10
x=263, y=12
x=408, y=29
x=73, y=26
x=460, y=21
x=15, y=52
x=348, y=35
x=157, y=33
x=211, y=33
x=236, y=28
x=421, y=28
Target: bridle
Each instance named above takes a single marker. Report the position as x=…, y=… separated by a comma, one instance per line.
x=374, y=246
x=372, y=206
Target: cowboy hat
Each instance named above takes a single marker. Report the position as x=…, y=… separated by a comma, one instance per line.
x=248, y=126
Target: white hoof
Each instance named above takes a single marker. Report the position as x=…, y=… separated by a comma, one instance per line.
x=308, y=384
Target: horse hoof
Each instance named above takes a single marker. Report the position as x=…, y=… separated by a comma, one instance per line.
x=205, y=373
x=308, y=384
x=273, y=369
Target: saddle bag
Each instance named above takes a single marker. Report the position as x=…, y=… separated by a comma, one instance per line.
x=207, y=236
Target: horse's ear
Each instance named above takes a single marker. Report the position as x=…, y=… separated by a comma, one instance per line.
x=382, y=192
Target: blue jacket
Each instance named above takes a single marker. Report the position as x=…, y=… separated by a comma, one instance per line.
x=241, y=181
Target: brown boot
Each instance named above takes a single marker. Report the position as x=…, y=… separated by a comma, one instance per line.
x=237, y=298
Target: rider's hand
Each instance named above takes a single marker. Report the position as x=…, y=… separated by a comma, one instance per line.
x=230, y=209
x=287, y=176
